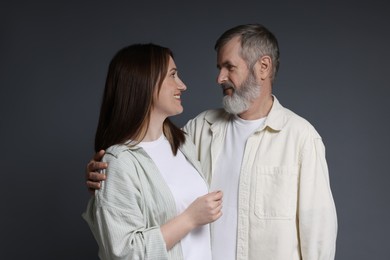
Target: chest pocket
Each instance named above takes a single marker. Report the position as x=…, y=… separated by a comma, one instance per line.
x=276, y=192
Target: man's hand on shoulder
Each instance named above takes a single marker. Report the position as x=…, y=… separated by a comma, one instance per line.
x=93, y=176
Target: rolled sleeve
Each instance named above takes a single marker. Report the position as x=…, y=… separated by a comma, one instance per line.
x=124, y=236
x=117, y=218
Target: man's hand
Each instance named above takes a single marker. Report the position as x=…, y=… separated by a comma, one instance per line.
x=93, y=176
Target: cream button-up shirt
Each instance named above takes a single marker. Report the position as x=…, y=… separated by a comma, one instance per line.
x=285, y=205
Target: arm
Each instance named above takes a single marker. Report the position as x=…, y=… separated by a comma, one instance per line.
x=118, y=215
x=317, y=212
x=118, y=218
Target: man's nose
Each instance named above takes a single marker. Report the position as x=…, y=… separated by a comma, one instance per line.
x=222, y=77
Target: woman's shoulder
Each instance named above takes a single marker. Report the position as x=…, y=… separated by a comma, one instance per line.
x=122, y=164
x=120, y=153
x=116, y=150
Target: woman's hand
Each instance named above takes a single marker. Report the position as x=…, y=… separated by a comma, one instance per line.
x=205, y=209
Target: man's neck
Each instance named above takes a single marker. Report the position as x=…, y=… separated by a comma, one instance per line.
x=259, y=108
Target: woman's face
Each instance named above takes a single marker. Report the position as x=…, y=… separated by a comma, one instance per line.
x=168, y=102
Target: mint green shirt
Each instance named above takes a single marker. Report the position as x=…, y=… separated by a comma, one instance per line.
x=125, y=215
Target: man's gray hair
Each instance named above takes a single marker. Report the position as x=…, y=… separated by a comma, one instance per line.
x=256, y=42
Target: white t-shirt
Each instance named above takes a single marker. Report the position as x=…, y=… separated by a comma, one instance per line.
x=226, y=178
x=186, y=185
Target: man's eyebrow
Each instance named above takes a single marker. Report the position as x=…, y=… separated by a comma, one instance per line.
x=225, y=64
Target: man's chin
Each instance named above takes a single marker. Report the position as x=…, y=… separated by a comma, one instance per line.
x=233, y=111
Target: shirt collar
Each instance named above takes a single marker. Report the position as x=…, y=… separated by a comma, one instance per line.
x=276, y=118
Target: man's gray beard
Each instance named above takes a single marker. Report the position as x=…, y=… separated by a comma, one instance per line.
x=241, y=98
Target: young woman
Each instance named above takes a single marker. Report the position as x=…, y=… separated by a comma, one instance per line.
x=154, y=203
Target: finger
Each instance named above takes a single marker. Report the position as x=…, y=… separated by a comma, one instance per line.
x=216, y=215
x=218, y=210
x=217, y=195
x=96, y=177
x=99, y=155
x=94, y=166
x=217, y=205
x=93, y=185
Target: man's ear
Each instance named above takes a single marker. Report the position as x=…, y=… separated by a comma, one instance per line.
x=264, y=67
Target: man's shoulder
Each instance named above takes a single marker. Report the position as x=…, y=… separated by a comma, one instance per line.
x=299, y=123
x=284, y=118
x=211, y=115
x=297, y=119
x=205, y=120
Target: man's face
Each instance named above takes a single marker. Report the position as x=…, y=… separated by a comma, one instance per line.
x=242, y=96
x=239, y=84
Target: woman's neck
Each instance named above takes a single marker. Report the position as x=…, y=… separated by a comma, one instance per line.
x=155, y=129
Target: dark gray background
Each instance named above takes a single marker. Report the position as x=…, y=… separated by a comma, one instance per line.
x=54, y=57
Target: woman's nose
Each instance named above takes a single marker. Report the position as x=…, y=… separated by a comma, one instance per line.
x=181, y=86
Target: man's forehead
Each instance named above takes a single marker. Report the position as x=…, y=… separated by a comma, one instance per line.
x=232, y=44
x=230, y=52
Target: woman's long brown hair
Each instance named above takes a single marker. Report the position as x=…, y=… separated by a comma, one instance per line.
x=133, y=74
